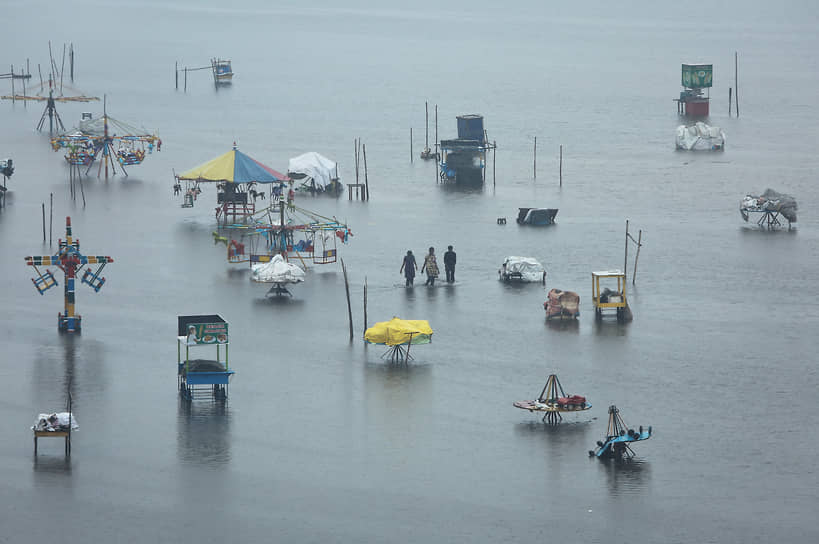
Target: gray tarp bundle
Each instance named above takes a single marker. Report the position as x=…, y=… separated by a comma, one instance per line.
x=771, y=201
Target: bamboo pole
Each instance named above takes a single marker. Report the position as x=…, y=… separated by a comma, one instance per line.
x=410, y=144
x=186, y=79
x=71, y=61
x=729, y=100
x=561, y=165
x=736, y=81
x=82, y=190
x=365, y=304
x=494, y=149
x=349, y=307
x=437, y=147
x=637, y=256
x=44, y=222
x=625, y=257
x=62, y=70
x=12, y=84
x=50, y=218
x=534, y=163
x=366, y=181
x=176, y=74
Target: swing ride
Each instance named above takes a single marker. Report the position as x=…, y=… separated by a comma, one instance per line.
x=285, y=229
x=50, y=111
x=554, y=401
x=235, y=175
x=398, y=333
x=111, y=141
x=615, y=445
x=70, y=261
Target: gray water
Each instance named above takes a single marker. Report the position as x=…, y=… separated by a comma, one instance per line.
x=321, y=440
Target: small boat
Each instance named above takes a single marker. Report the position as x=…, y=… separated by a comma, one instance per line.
x=222, y=71
x=536, y=216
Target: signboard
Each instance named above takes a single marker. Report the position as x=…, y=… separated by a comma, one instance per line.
x=695, y=76
x=207, y=333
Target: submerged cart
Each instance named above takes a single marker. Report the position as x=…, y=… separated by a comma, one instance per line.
x=202, y=377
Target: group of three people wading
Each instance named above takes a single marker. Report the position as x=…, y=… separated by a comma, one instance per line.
x=430, y=266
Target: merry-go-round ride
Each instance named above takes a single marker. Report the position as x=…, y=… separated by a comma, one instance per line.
x=107, y=141
x=553, y=401
x=297, y=234
x=399, y=335
x=68, y=259
x=200, y=377
x=236, y=176
x=616, y=444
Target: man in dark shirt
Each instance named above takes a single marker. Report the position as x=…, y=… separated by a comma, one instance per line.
x=449, y=265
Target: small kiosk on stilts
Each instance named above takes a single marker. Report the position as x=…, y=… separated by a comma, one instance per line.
x=202, y=377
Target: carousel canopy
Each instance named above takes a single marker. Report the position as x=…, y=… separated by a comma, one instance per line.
x=234, y=167
x=398, y=332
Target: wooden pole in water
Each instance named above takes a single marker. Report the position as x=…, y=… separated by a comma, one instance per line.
x=349, y=307
x=561, y=165
x=736, y=81
x=637, y=256
x=12, y=84
x=729, y=100
x=494, y=150
x=50, y=218
x=410, y=144
x=365, y=303
x=186, y=79
x=62, y=70
x=71, y=61
x=176, y=74
x=625, y=258
x=534, y=164
x=82, y=190
x=437, y=147
x=41, y=74
x=44, y=222
x=366, y=181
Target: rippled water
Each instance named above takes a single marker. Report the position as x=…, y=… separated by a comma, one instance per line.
x=323, y=440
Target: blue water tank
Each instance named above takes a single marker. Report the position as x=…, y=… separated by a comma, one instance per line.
x=470, y=127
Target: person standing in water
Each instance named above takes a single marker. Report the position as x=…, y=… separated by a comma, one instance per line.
x=408, y=267
x=449, y=265
x=431, y=267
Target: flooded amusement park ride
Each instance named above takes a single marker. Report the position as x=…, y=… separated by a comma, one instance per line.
x=70, y=261
x=615, y=445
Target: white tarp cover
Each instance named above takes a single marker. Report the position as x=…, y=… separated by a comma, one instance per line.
x=528, y=268
x=277, y=271
x=55, y=422
x=316, y=166
x=700, y=137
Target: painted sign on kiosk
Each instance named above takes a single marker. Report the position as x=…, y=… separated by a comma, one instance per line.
x=207, y=333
